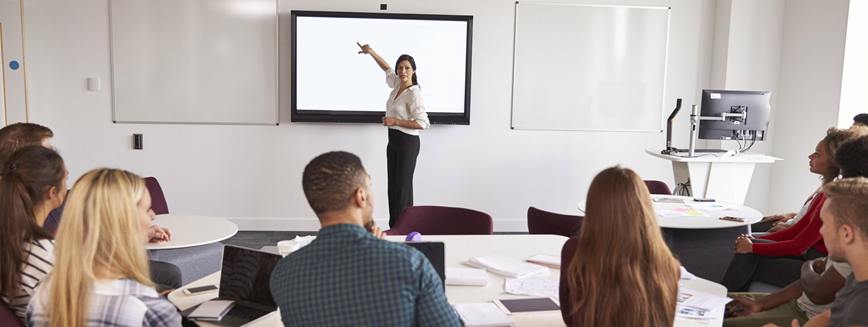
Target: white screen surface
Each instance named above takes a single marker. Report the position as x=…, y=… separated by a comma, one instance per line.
x=332, y=76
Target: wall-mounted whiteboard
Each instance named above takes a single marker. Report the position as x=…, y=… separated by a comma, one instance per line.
x=589, y=67
x=194, y=61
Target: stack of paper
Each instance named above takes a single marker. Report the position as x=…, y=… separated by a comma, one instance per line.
x=713, y=206
x=482, y=314
x=546, y=260
x=680, y=212
x=508, y=267
x=696, y=305
x=466, y=276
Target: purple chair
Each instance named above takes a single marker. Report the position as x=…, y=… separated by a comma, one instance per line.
x=158, y=200
x=657, y=187
x=7, y=317
x=434, y=220
x=544, y=222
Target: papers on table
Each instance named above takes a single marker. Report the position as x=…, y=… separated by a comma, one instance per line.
x=466, y=276
x=696, y=305
x=482, y=314
x=680, y=212
x=686, y=274
x=713, y=206
x=508, y=267
x=532, y=287
x=550, y=261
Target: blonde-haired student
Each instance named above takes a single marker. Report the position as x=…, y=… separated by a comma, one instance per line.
x=101, y=274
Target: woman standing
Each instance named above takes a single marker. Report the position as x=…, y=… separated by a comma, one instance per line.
x=619, y=272
x=405, y=116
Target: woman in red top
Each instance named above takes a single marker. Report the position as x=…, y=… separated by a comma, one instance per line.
x=776, y=258
x=619, y=272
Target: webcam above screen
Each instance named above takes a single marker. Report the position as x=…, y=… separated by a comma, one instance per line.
x=332, y=82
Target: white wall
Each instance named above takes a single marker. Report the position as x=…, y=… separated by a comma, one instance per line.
x=854, y=86
x=812, y=58
x=252, y=173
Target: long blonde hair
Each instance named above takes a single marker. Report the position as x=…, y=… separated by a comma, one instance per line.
x=622, y=273
x=101, y=232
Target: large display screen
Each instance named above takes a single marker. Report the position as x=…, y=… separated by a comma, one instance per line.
x=332, y=82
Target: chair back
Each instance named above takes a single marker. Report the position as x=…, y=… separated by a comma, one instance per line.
x=544, y=222
x=158, y=200
x=7, y=317
x=435, y=220
x=657, y=187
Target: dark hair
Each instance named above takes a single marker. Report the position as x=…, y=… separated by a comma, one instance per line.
x=852, y=157
x=331, y=180
x=412, y=64
x=19, y=135
x=860, y=118
x=834, y=138
x=29, y=173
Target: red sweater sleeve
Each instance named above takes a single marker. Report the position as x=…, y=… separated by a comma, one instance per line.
x=796, y=240
x=564, y=289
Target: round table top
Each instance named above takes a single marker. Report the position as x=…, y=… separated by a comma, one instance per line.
x=192, y=230
x=710, y=221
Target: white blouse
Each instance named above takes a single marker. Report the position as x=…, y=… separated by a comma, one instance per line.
x=407, y=106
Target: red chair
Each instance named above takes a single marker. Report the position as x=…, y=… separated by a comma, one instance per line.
x=657, y=187
x=7, y=317
x=544, y=222
x=158, y=200
x=434, y=220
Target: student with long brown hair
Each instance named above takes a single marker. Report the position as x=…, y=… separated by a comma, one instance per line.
x=33, y=183
x=619, y=271
x=101, y=274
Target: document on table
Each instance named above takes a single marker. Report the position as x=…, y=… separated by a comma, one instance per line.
x=686, y=274
x=532, y=287
x=680, y=212
x=713, y=206
x=698, y=306
x=482, y=314
x=466, y=277
x=508, y=267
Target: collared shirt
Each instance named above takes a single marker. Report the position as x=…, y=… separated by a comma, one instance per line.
x=407, y=106
x=348, y=277
x=40, y=260
x=118, y=303
x=53, y=220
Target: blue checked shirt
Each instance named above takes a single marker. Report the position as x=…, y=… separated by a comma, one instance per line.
x=119, y=303
x=348, y=277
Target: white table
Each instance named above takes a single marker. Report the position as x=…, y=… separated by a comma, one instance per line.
x=459, y=248
x=749, y=214
x=712, y=176
x=191, y=230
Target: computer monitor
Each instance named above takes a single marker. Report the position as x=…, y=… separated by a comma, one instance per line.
x=756, y=104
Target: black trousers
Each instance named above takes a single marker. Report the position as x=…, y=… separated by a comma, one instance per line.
x=401, y=154
x=777, y=271
x=165, y=275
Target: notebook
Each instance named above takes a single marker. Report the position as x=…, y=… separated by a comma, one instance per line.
x=508, y=267
x=482, y=315
x=546, y=260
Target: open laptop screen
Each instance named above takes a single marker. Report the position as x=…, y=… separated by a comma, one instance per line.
x=246, y=276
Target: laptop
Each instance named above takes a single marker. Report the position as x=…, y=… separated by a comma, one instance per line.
x=245, y=279
x=435, y=252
